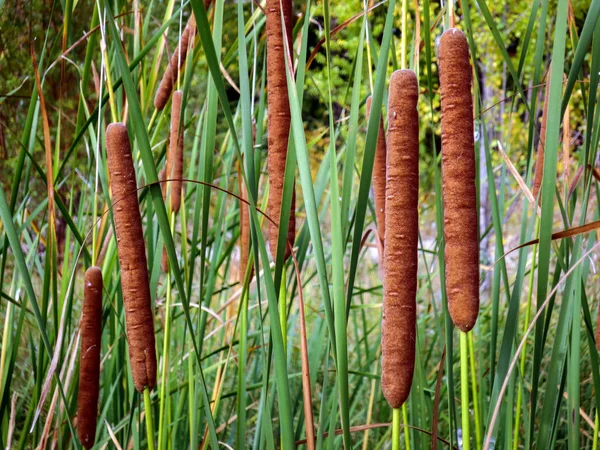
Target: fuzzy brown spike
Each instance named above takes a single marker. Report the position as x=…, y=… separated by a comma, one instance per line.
x=89, y=359
x=402, y=230
x=132, y=258
x=458, y=180
x=244, y=228
x=279, y=118
x=379, y=175
x=538, y=175
x=176, y=63
x=175, y=169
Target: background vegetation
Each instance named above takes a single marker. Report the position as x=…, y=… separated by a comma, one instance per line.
x=232, y=352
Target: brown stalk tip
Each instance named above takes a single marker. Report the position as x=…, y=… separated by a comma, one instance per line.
x=139, y=319
x=539, y=163
x=176, y=151
x=279, y=119
x=244, y=229
x=379, y=174
x=401, y=239
x=458, y=180
x=176, y=62
x=89, y=359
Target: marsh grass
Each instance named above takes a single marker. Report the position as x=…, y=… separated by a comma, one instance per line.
x=247, y=363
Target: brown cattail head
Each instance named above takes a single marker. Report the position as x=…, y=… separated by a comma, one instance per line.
x=458, y=180
x=379, y=175
x=175, y=168
x=244, y=229
x=132, y=258
x=279, y=118
x=89, y=359
x=164, y=262
x=175, y=64
x=401, y=239
x=539, y=163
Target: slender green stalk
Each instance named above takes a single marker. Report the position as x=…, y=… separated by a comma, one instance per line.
x=474, y=390
x=282, y=308
x=595, y=439
x=524, y=352
x=403, y=56
x=406, y=429
x=396, y=415
x=164, y=395
x=149, y=421
x=464, y=390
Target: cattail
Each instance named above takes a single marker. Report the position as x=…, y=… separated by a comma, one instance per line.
x=89, y=359
x=175, y=64
x=379, y=175
x=279, y=118
x=174, y=164
x=175, y=168
x=132, y=258
x=244, y=229
x=458, y=180
x=164, y=262
x=401, y=239
x=539, y=163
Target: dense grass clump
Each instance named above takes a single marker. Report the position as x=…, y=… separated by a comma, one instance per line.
x=434, y=164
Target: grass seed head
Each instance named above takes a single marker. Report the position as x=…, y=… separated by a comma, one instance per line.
x=279, y=118
x=132, y=258
x=89, y=359
x=401, y=239
x=379, y=175
x=458, y=180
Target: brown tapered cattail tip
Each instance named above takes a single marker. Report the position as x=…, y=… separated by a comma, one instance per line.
x=139, y=319
x=279, y=118
x=176, y=62
x=89, y=359
x=176, y=152
x=401, y=239
x=379, y=175
x=539, y=164
x=458, y=180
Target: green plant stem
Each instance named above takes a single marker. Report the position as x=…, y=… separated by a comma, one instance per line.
x=405, y=420
x=524, y=352
x=149, y=422
x=396, y=428
x=450, y=11
x=282, y=309
x=165, y=359
x=464, y=390
x=478, y=431
x=595, y=441
x=404, y=32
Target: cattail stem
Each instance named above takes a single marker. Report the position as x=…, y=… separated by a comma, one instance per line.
x=282, y=309
x=403, y=56
x=406, y=431
x=396, y=415
x=464, y=390
x=478, y=431
x=149, y=421
x=596, y=424
x=525, y=327
x=165, y=359
x=450, y=11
